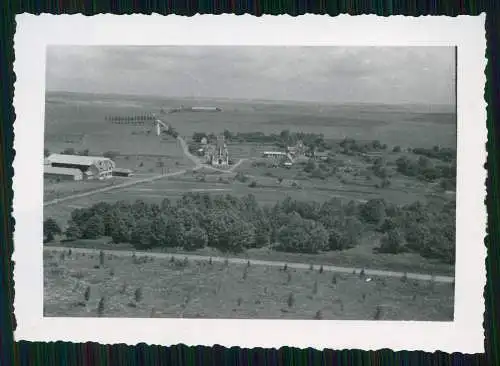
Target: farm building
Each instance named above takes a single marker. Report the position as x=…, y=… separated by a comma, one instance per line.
x=297, y=150
x=122, y=172
x=62, y=173
x=206, y=109
x=92, y=167
x=320, y=155
x=278, y=157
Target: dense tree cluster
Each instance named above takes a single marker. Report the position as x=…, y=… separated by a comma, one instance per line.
x=234, y=224
x=426, y=229
x=444, y=154
x=350, y=146
x=50, y=229
x=425, y=169
x=285, y=138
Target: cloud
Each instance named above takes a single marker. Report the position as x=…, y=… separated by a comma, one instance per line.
x=323, y=74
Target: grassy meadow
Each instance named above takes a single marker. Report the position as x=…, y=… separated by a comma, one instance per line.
x=86, y=285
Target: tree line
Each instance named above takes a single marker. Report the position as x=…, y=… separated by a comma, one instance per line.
x=129, y=118
x=233, y=224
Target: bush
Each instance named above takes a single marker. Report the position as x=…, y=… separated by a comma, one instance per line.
x=94, y=228
x=392, y=242
x=50, y=228
x=240, y=177
x=196, y=238
x=373, y=211
x=302, y=236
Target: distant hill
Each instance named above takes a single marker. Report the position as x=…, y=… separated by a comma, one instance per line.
x=195, y=101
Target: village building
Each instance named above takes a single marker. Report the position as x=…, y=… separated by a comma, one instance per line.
x=122, y=172
x=278, y=157
x=217, y=155
x=51, y=172
x=92, y=167
x=319, y=155
x=298, y=150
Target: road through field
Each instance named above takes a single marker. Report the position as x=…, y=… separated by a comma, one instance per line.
x=116, y=186
x=185, y=149
x=368, y=272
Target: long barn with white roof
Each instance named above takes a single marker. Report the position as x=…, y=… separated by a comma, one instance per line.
x=92, y=167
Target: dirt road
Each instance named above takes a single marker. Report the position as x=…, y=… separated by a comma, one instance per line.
x=368, y=272
x=113, y=187
x=185, y=149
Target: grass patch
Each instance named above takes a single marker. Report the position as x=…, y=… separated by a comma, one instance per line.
x=219, y=291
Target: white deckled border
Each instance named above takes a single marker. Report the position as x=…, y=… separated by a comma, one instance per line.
x=465, y=334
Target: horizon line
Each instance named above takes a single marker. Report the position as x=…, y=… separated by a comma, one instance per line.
x=451, y=105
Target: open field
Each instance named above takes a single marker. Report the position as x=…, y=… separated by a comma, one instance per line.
x=81, y=118
x=153, y=287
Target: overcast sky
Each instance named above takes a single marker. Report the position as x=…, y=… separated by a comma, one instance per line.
x=318, y=74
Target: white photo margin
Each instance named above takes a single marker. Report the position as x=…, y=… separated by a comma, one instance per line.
x=465, y=334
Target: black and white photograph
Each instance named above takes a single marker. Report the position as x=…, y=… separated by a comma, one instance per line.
x=250, y=182
x=320, y=188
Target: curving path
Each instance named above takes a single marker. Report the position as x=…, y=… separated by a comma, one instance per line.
x=328, y=268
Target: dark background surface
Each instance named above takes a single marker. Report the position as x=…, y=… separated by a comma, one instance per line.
x=31, y=353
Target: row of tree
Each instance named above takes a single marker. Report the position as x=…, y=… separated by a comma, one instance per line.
x=283, y=139
x=234, y=224
x=129, y=118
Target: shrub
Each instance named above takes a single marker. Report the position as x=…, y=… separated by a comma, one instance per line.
x=392, y=242
x=291, y=300
x=86, y=295
x=315, y=287
x=100, y=307
x=334, y=279
x=101, y=258
x=138, y=295
x=196, y=238
x=373, y=211
x=50, y=228
x=404, y=278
